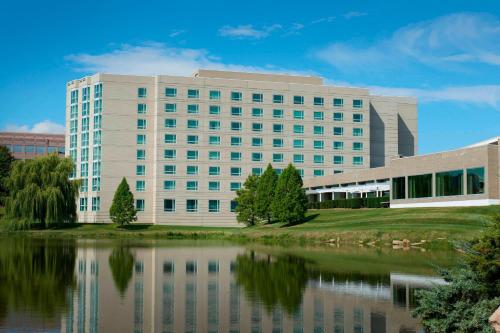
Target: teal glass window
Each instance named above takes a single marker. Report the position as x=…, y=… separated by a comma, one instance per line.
x=277, y=113
x=257, y=112
x=298, y=114
x=338, y=116
x=214, y=110
x=213, y=206
x=235, y=171
x=278, y=99
x=278, y=171
x=142, y=108
x=169, y=185
x=357, y=118
x=235, y=156
x=357, y=103
x=236, y=126
x=169, y=153
x=277, y=143
x=277, y=158
x=338, y=131
x=192, y=154
x=140, y=186
x=448, y=183
x=318, y=101
x=170, y=107
x=257, y=97
x=192, y=139
x=98, y=90
x=214, y=186
x=142, y=92
x=278, y=128
x=170, y=123
x=338, y=145
x=192, y=170
x=298, y=100
x=319, y=130
x=420, y=186
x=298, y=129
x=214, y=95
x=141, y=123
x=257, y=127
x=236, y=141
x=170, y=92
x=475, y=181
x=257, y=157
x=193, y=108
x=169, y=169
x=357, y=146
x=141, y=154
x=257, y=142
x=357, y=132
x=257, y=171
x=192, y=185
x=192, y=124
x=298, y=158
x=357, y=160
x=298, y=143
x=338, y=102
x=233, y=206
x=235, y=186
x=319, y=144
x=236, y=96
x=337, y=159
x=214, y=155
x=214, y=125
x=319, y=159
x=140, y=170
x=193, y=93
x=319, y=115
x=236, y=111
x=169, y=205
x=214, y=140
x=318, y=172
x=170, y=138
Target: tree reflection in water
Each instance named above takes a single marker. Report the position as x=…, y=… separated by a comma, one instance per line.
x=273, y=281
x=36, y=274
x=121, y=263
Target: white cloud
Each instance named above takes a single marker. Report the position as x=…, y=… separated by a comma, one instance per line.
x=46, y=126
x=248, y=31
x=176, y=33
x=455, y=38
x=353, y=14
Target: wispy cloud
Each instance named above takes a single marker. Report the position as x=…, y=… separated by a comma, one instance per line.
x=248, y=31
x=456, y=38
x=45, y=126
x=353, y=14
x=176, y=32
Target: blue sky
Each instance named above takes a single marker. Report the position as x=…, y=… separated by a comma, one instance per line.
x=445, y=53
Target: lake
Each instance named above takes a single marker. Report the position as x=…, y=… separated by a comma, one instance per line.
x=55, y=285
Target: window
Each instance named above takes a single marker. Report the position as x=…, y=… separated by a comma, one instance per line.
x=235, y=186
x=298, y=143
x=475, y=181
x=257, y=171
x=277, y=143
x=278, y=99
x=277, y=158
x=319, y=115
x=214, y=186
x=192, y=185
x=235, y=156
x=169, y=169
x=192, y=124
x=319, y=159
x=257, y=112
x=170, y=107
x=97, y=137
x=193, y=93
x=169, y=185
x=84, y=153
x=318, y=130
x=235, y=171
x=142, y=92
x=96, y=204
x=97, y=106
x=298, y=129
x=85, y=94
x=141, y=154
x=169, y=205
x=85, y=108
x=257, y=157
x=318, y=101
x=357, y=103
x=338, y=145
x=85, y=142
x=257, y=98
x=214, y=155
x=234, y=204
x=337, y=159
x=192, y=170
x=235, y=126
x=213, y=207
x=192, y=139
x=141, y=139
x=298, y=114
x=298, y=100
x=169, y=153
x=214, y=140
x=84, y=170
x=338, y=116
x=139, y=205
x=170, y=123
x=398, y=188
x=257, y=127
x=338, y=102
x=235, y=141
x=214, y=95
x=278, y=171
x=140, y=185
x=318, y=172
x=83, y=204
x=140, y=170
x=85, y=124
x=170, y=92
x=170, y=138
x=97, y=121
x=357, y=118
x=236, y=96
x=448, y=183
x=357, y=146
x=277, y=113
x=277, y=128
x=96, y=168
x=214, y=125
x=98, y=90
x=236, y=111
x=191, y=206
x=256, y=142
x=420, y=186
x=338, y=131
x=142, y=108
x=357, y=131
x=298, y=158
x=192, y=154
x=193, y=108
x=168, y=267
x=357, y=160
x=213, y=170
x=214, y=110
x=319, y=144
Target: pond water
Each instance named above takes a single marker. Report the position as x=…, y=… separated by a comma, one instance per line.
x=51, y=285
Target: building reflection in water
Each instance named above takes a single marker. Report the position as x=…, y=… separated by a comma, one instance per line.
x=198, y=289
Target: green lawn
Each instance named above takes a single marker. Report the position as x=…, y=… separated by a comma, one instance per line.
x=366, y=225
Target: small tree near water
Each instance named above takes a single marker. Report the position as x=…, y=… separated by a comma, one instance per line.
x=122, y=209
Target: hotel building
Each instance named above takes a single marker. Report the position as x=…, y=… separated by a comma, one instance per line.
x=186, y=144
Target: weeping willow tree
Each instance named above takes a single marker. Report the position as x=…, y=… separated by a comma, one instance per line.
x=40, y=192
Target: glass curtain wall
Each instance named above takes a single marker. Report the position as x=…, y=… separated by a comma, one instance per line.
x=449, y=183
x=420, y=186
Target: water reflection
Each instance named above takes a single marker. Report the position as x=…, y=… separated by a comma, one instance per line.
x=190, y=287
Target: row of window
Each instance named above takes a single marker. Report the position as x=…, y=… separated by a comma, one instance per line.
x=96, y=184
x=97, y=139
x=86, y=93
x=96, y=204
x=237, y=96
x=31, y=149
x=191, y=205
x=448, y=183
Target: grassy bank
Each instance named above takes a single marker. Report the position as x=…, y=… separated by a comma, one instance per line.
x=366, y=225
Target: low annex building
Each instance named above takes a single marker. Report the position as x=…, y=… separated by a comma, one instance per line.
x=469, y=176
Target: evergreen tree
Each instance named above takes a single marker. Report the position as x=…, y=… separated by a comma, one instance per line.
x=290, y=201
x=122, y=209
x=6, y=160
x=245, y=209
x=265, y=194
